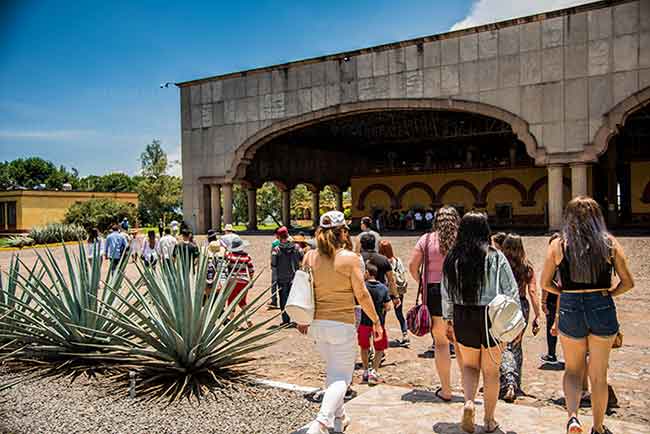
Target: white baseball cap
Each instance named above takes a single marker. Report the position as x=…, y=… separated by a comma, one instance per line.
x=332, y=219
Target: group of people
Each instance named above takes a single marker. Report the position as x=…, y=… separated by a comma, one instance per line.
x=461, y=267
x=417, y=219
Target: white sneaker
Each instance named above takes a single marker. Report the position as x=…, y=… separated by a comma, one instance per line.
x=373, y=377
x=317, y=428
x=341, y=423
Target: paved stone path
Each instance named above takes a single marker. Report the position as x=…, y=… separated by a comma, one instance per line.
x=391, y=410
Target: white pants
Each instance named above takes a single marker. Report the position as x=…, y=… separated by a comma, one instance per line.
x=337, y=344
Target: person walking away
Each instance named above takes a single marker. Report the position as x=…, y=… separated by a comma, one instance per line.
x=175, y=227
x=228, y=236
x=401, y=284
x=512, y=357
x=240, y=270
x=160, y=228
x=381, y=299
x=434, y=246
x=116, y=246
x=586, y=256
x=285, y=260
x=167, y=245
x=135, y=244
x=186, y=246
x=214, y=267
x=94, y=244
x=549, y=307
x=150, y=250
x=273, y=304
x=337, y=281
x=469, y=284
x=366, y=223
x=125, y=224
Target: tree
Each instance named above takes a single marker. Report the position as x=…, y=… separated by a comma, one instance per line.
x=239, y=204
x=109, y=183
x=100, y=213
x=269, y=203
x=34, y=171
x=159, y=193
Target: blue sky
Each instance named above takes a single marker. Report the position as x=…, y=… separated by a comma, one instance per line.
x=79, y=80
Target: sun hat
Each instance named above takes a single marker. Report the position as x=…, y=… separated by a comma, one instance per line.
x=332, y=219
x=237, y=244
x=215, y=247
x=228, y=227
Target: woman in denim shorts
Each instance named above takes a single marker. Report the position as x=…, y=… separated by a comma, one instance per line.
x=586, y=256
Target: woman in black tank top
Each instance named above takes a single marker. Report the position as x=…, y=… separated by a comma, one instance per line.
x=586, y=256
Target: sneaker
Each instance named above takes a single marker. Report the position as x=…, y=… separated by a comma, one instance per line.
x=604, y=431
x=364, y=377
x=341, y=423
x=549, y=359
x=405, y=339
x=317, y=428
x=373, y=378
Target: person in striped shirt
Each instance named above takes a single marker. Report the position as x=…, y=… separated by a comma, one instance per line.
x=240, y=270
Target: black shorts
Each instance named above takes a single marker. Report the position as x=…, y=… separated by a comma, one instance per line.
x=434, y=299
x=469, y=326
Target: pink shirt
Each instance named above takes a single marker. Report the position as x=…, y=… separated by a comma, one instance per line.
x=435, y=258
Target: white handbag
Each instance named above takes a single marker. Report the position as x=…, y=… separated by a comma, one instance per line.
x=300, y=304
x=505, y=315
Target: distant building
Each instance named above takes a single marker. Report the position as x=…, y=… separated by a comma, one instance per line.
x=20, y=210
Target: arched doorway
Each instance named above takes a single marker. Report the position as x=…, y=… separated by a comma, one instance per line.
x=398, y=157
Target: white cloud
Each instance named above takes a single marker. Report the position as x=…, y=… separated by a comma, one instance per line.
x=490, y=11
x=45, y=134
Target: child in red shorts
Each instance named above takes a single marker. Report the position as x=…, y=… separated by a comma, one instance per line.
x=381, y=299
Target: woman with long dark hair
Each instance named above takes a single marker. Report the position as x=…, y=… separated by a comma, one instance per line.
x=513, y=357
x=337, y=280
x=386, y=249
x=434, y=246
x=586, y=256
x=469, y=284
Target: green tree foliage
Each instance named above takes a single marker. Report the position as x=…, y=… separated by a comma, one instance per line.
x=269, y=203
x=239, y=204
x=158, y=192
x=111, y=183
x=100, y=213
x=33, y=171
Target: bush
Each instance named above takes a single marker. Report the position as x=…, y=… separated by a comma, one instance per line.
x=57, y=232
x=100, y=213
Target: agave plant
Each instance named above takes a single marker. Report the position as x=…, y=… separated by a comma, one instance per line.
x=54, y=316
x=19, y=241
x=187, y=344
x=57, y=232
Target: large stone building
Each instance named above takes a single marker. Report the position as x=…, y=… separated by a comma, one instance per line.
x=514, y=117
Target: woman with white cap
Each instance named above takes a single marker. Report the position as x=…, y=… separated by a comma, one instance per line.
x=240, y=270
x=337, y=280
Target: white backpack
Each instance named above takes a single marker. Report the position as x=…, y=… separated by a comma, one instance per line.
x=505, y=315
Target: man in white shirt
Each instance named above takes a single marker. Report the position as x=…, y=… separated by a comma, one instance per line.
x=167, y=244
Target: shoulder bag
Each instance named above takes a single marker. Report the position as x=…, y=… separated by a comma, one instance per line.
x=418, y=318
x=300, y=304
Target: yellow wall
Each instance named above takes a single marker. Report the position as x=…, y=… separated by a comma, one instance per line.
x=455, y=195
x=640, y=174
x=35, y=208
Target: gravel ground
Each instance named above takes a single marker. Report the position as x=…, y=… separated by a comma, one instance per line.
x=56, y=406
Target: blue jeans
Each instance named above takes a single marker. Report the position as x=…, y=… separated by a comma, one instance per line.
x=590, y=313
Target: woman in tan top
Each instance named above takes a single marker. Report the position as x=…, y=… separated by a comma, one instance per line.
x=338, y=279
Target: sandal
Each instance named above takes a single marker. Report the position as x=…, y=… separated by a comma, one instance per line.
x=491, y=425
x=467, y=422
x=438, y=394
x=573, y=426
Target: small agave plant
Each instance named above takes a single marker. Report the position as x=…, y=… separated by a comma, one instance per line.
x=186, y=344
x=54, y=316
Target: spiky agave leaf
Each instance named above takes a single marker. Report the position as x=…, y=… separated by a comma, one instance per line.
x=185, y=345
x=56, y=313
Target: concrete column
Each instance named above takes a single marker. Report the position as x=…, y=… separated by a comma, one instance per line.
x=215, y=203
x=339, y=200
x=286, y=207
x=555, y=196
x=252, y=209
x=227, y=203
x=315, y=207
x=579, y=179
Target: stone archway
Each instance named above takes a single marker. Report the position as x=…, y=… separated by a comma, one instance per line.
x=458, y=183
x=482, y=199
x=245, y=152
x=361, y=204
x=413, y=186
x=615, y=119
